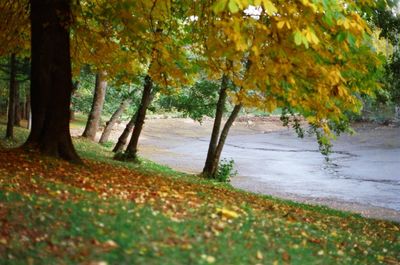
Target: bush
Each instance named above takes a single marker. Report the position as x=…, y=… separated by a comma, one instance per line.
x=225, y=170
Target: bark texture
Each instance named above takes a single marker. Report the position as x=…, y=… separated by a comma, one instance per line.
x=208, y=167
x=11, y=98
x=51, y=80
x=17, y=106
x=97, y=106
x=119, y=147
x=147, y=97
x=114, y=118
x=222, y=139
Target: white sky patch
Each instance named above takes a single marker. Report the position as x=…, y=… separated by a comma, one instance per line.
x=253, y=11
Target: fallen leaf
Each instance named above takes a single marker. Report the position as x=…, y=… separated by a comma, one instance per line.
x=227, y=213
x=259, y=255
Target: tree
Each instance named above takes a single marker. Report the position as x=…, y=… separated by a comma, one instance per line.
x=314, y=59
x=132, y=148
x=12, y=98
x=157, y=41
x=51, y=78
x=114, y=118
x=97, y=106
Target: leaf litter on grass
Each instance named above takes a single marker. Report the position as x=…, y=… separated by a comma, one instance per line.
x=106, y=213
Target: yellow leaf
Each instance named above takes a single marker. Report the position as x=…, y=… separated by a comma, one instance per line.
x=227, y=213
x=269, y=7
x=280, y=24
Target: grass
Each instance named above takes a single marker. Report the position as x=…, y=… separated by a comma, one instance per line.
x=112, y=212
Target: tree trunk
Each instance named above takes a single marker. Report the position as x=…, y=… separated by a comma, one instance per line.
x=131, y=149
x=125, y=134
x=207, y=170
x=97, y=106
x=75, y=86
x=51, y=78
x=28, y=110
x=222, y=138
x=110, y=124
x=11, y=98
x=17, y=106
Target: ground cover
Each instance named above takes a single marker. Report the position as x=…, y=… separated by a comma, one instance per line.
x=110, y=212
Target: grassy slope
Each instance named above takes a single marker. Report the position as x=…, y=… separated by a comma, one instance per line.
x=109, y=212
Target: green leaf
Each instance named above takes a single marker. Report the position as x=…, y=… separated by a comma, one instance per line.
x=219, y=6
x=233, y=7
x=351, y=40
x=341, y=36
x=297, y=38
x=269, y=7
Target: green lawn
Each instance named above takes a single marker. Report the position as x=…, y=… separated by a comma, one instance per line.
x=111, y=212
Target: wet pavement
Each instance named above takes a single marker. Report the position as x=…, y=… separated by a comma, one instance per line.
x=362, y=175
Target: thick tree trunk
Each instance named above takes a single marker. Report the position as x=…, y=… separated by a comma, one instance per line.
x=114, y=118
x=147, y=97
x=207, y=170
x=11, y=98
x=17, y=106
x=97, y=106
x=222, y=139
x=51, y=78
x=119, y=147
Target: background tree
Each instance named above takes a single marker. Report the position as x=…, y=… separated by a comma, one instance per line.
x=93, y=121
x=312, y=58
x=158, y=42
x=114, y=118
x=12, y=98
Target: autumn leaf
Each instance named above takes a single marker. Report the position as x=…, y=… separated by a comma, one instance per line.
x=227, y=213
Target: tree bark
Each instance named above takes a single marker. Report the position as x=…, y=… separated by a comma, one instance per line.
x=131, y=149
x=17, y=106
x=51, y=78
x=222, y=139
x=28, y=110
x=110, y=124
x=207, y=170
x=119, y=147
x=11, y=98
x=97, y=106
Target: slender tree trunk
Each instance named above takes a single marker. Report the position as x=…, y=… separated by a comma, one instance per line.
x=222, y=139
x=207, y=170
x=28, y=110
x=119, y=147
x=75, y=86
x=17, y=106
x=110, y=124
x=11, y=98
x=131, y=149
x=97, y=106
x=51, y=78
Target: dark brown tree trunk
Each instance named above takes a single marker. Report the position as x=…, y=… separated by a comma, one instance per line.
x=119, y=147
x=114, y=118
x=131, y=149
x=17, y=111
x=51, y=78
x=11, y=98
x=97, y=106
x=207, y=170
x=222, y=139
